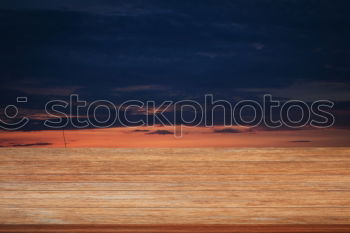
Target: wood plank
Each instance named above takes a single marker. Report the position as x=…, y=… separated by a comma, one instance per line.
x=137, y=228
x=174, y=182
x=176, y=154
x=175, y=215
x=175, y=186
x=258, y=178
x=183, y=185
x=140, y=167
x=173, y=199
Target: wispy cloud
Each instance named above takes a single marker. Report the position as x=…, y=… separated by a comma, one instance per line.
x=103, y=7
x=137, y=88
x=48, y=91
x=216, y=54
x=40, y=114
x=258, y=46
x=308, y=91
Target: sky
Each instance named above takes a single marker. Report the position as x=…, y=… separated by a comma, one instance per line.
x=174, y=50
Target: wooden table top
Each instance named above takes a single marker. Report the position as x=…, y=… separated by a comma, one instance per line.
x=161, y=189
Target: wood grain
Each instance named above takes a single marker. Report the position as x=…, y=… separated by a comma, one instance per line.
x=141, y=167
x=171, y=228
x=175, y=186
x=173, y=199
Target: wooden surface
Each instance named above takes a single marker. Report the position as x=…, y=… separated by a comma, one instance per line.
x=169, y=228
x=175, y=186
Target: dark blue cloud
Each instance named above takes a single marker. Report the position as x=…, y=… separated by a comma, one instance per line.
x=227, y=131
x=300, y=141
x=161, y=132
x=140, y=130
x=190, y=47
x=32, y=144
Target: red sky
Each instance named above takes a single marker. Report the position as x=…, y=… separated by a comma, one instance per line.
x=157, y=136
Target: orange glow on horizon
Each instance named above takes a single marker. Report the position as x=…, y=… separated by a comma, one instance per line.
x=161, y=136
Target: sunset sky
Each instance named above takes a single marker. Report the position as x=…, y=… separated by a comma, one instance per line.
x=173, y=50
x=163, y=137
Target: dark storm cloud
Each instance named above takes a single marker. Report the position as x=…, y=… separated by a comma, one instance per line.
x=172, y=49
x=161, y=132
x=140, y=130
x=227, y=131
x=32, y=144
x=104, y=7
x=216, y=44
